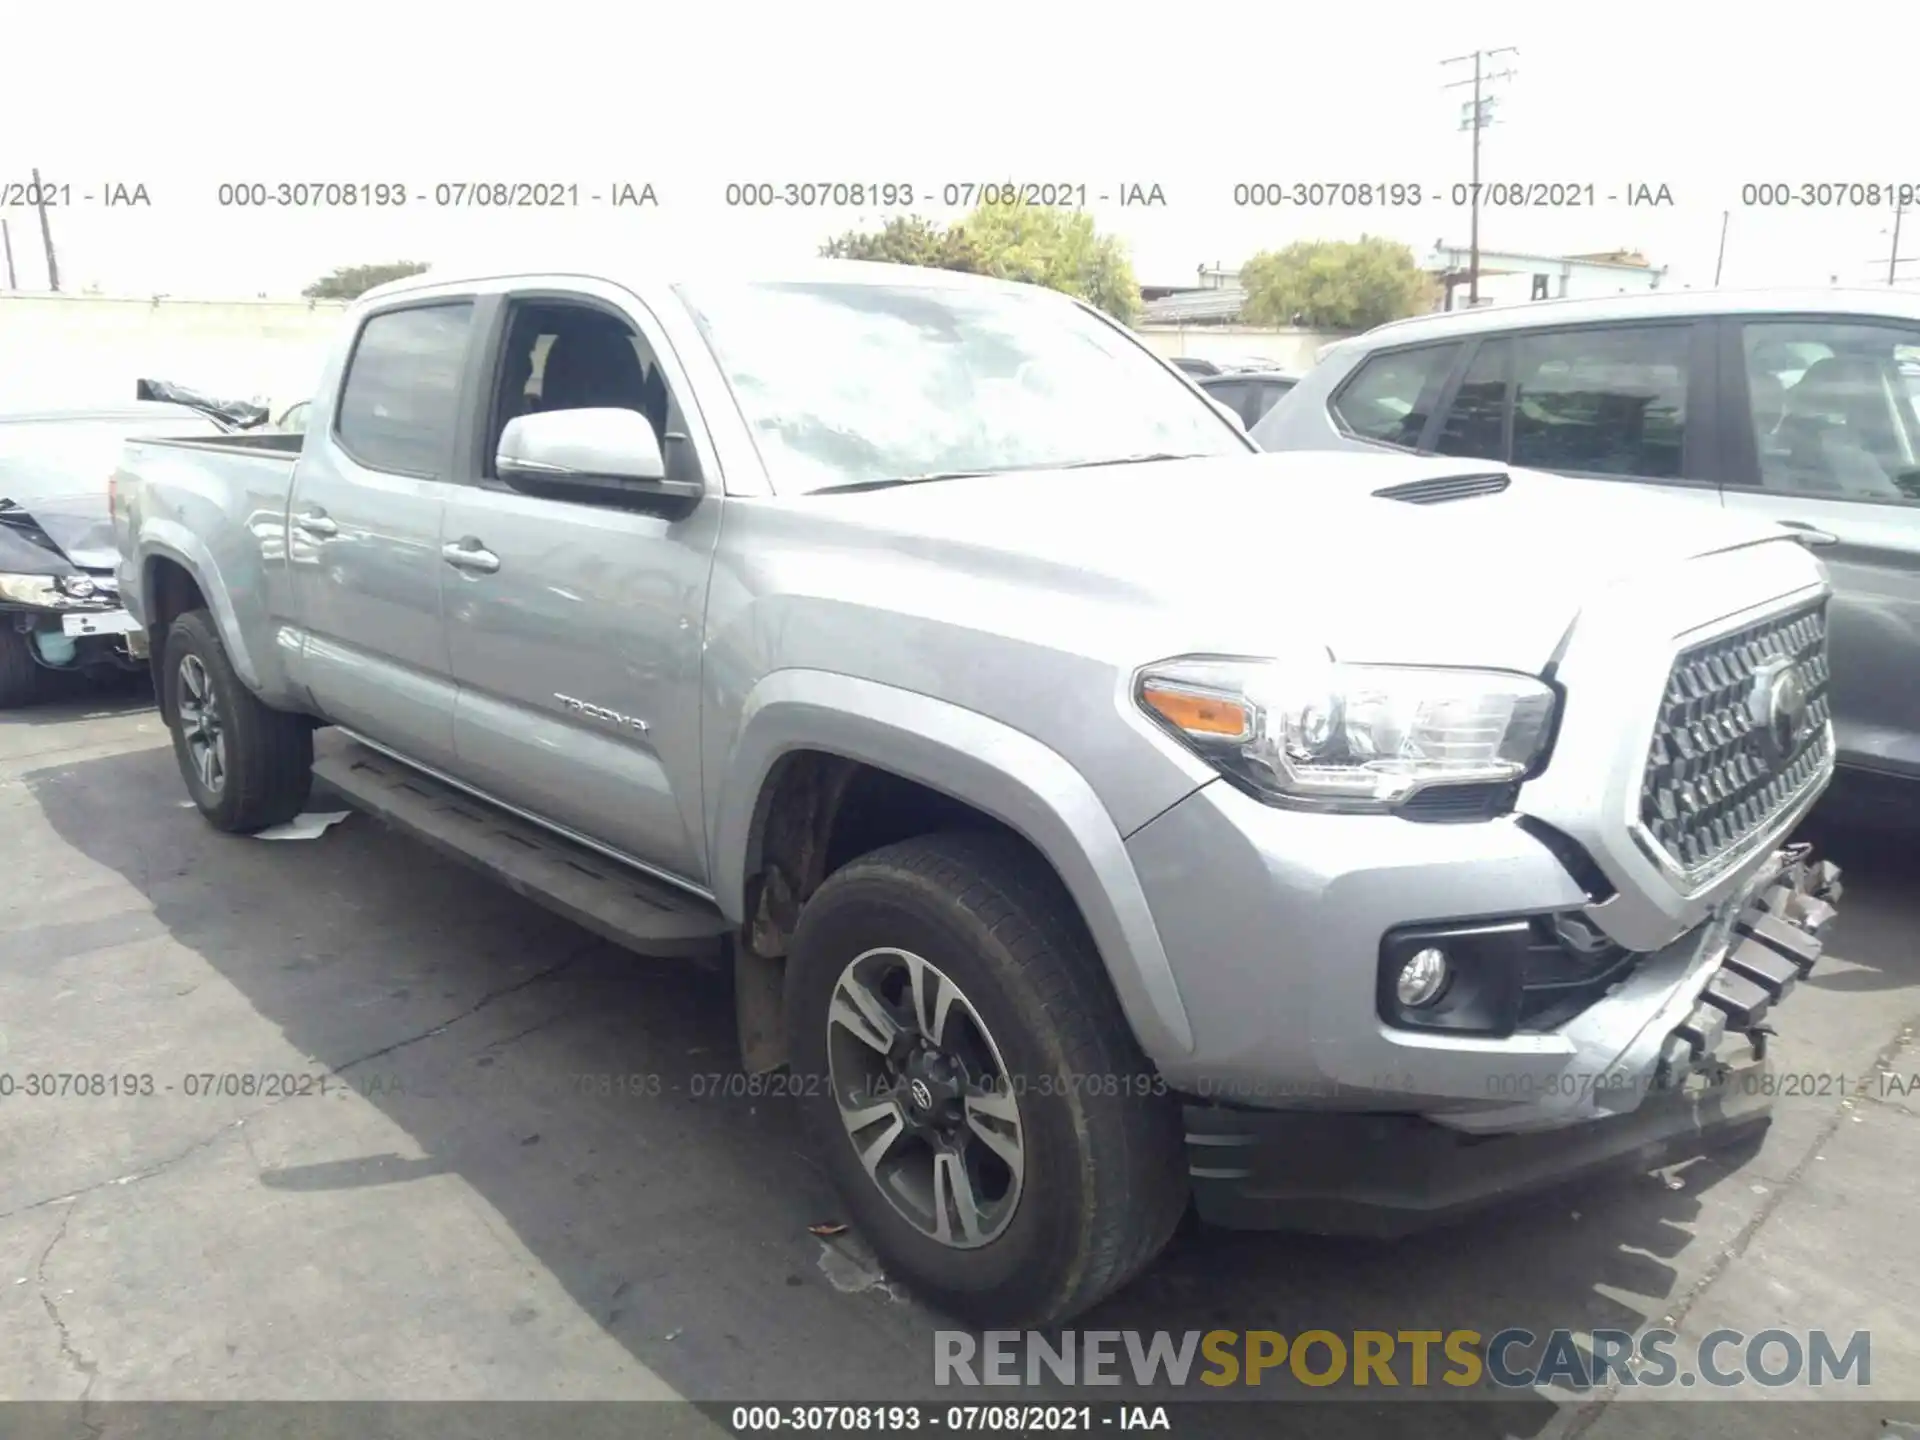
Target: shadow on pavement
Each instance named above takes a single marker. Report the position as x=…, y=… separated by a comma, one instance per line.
x=591, y=1098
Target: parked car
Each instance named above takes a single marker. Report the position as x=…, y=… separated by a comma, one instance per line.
x=1248, y=393
x=59, y=600
x=1784, y=405
x=1349, y=864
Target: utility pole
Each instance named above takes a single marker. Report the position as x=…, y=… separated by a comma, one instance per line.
x=1721, y=258
x=1477, y=118
x=46, y=234
x=6, y=237
x=1894, y=258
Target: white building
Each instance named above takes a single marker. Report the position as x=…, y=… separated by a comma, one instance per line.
x=1508, y=277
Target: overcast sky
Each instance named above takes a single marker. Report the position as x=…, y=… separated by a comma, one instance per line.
x=1699, y=97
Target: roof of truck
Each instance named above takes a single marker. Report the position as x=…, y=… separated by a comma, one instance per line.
x=644, y=273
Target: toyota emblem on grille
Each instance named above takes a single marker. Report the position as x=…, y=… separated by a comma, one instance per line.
x=1779, y=705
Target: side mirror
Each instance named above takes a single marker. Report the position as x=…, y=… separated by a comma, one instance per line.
x=605, y=455
x=1227, y=412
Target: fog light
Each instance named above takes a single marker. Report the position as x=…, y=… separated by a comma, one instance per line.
x=1422, y=978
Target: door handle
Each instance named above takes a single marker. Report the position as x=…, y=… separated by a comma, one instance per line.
x=1809, y=534
x=315, y=522
x=469, y=554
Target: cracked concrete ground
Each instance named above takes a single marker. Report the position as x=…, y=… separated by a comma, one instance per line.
x=503, y=1170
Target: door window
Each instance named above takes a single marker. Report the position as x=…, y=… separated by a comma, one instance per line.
x=401, y=399
x=1476, y=421
x=1609, y=401
x=561, y=356
x=1391, y=396
x=1832, y=404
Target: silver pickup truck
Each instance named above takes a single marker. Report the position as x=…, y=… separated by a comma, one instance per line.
x=1101, y=817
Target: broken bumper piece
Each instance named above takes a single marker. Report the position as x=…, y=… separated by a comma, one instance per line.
x=1386, y=1175
x=1777, y=940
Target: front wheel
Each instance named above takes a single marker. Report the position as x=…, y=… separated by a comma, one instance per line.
x=247, y=766
x=22, y=679
x=972, y=1084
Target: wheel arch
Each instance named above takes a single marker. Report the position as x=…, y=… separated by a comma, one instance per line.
x=807, y=736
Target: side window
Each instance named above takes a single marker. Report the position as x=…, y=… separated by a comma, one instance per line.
x=401, y=399
x=561, y=356
x=1602, y=401
x=1391, y=396
x=1834, y=408
x=1476, y=421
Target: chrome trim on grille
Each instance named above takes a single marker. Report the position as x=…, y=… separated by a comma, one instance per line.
x=1743, y=735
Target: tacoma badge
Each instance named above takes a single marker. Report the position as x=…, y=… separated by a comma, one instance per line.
x=600, y=712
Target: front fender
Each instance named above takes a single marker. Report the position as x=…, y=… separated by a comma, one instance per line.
x=988, y=765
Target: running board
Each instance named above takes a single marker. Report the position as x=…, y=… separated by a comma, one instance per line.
x=607, y=897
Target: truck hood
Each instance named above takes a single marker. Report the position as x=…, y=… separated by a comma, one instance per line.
x=1298, y=545
x=55, y=534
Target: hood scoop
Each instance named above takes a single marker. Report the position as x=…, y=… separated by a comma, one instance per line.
x=1444, y=488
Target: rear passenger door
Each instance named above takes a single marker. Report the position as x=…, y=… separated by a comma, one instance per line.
x=1824, y=437
x=363, y=540
x=1604, y=402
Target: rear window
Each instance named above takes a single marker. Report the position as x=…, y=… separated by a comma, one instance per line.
x=402, y=396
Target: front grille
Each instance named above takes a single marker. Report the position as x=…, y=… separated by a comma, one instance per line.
x=1716, y=774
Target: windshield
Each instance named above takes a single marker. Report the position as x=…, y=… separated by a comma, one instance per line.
x=43, y=459
x=846, y=384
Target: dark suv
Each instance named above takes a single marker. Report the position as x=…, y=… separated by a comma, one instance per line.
x=1799, y=406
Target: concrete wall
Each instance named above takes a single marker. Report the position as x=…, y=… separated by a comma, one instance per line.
x=1287, y=349
x=87, y=348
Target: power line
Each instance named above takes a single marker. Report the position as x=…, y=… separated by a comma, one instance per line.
x=1476, y=119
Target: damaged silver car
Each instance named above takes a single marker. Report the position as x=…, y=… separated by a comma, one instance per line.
x=59, y=603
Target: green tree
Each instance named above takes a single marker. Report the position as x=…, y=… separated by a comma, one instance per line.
x=907, y=240
x=1058, y=248
x=349, y=282
x=1335, y=284
x=1038, y=244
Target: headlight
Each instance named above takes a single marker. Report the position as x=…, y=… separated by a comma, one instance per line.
x=1328, y=736
x=62, y=592
x=32, y=590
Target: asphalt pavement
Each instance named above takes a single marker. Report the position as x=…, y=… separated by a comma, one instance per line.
x=505, y=1160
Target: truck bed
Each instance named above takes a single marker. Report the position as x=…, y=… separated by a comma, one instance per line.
x=272, y=442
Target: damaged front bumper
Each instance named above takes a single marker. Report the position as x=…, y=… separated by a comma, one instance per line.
x=1704, y=1085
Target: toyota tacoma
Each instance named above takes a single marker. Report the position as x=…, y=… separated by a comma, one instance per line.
x=1102, y=818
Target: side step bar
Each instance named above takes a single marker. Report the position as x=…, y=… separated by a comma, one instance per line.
x=611, y=899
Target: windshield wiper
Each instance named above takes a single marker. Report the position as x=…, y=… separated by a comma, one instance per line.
x=854, y=486
x=851, y=487
x=1142, y=459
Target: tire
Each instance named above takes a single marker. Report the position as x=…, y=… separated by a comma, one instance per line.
x=1102, y=1180
x=265, y=769
x=22, y=678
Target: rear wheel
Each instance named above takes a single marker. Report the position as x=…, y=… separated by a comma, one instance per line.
x=971, y=1082
x=247, y=766
x=22, y=679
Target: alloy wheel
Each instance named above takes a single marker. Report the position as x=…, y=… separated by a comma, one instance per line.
x=925, y=1097
x=201, y=724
